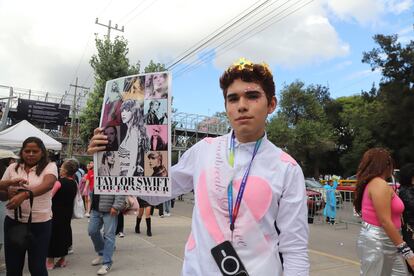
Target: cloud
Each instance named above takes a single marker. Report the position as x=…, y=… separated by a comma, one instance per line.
x=367, y=11
x=300, y=39
x=45, y=45
x=398, y=6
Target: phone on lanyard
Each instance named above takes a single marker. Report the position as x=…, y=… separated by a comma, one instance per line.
x=227, y=260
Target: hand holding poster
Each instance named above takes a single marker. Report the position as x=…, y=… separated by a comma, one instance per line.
x=136, y=120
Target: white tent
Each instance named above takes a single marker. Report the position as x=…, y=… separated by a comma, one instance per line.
x=14, y=136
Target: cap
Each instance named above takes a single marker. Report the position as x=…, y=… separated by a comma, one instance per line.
x=7, y=154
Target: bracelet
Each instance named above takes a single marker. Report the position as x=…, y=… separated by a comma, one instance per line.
x=405, y=250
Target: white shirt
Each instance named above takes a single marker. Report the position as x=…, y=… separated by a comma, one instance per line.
x=275, y=192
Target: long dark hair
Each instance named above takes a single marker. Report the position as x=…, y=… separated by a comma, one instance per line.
x=41, y=165
x=374, y=163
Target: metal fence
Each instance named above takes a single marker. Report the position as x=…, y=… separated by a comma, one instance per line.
x=345, y=213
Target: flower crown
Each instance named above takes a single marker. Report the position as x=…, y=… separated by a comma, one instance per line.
x=245, y=64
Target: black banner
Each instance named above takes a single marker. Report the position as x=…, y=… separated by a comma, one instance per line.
x=42, y=113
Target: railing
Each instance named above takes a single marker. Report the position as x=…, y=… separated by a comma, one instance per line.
x=345, y=213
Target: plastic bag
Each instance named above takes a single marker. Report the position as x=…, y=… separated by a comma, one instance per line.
x=78, y=208
x=131, y=205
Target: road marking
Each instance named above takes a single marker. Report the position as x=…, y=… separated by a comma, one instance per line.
x=334, y=257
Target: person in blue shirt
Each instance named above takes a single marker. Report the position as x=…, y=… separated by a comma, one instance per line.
x=330, y=207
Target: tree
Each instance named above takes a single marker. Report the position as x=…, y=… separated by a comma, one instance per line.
x=396, y=93
x=154, y=67
x=110, y=62
x=300, y=126
x=360, y=120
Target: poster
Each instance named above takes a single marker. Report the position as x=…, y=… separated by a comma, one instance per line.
x=136, y=118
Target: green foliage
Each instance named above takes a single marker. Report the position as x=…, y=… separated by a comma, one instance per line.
x=333, y=134
x=110, y=62
x=301, y=127
x=154, y=67
x=360, y=120
x=396, y=94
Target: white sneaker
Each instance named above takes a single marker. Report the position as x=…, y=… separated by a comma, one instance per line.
x=97, y=261
x=87, y=215
x=167, y=215
x=104, y=269
x=70, y=250
x=161, y=216
x=121, y=235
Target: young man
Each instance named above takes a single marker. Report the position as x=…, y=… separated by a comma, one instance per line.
x=250, y=197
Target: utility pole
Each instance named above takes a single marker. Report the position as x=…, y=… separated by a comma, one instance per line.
x=6, y=109
x=109, y=27
x=72, y=121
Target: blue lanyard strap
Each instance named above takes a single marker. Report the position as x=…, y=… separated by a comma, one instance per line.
x=234, y=212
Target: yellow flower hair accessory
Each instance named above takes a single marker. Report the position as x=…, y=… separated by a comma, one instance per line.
x=266, y=68
x=242, y=64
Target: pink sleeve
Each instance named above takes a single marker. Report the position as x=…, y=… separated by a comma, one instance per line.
x=56, y=187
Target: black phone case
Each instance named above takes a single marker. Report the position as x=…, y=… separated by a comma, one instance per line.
x=227, y=260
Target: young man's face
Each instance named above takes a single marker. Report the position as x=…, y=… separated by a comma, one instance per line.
x=247, y=109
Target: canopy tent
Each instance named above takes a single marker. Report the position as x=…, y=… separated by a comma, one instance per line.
x=14, y=136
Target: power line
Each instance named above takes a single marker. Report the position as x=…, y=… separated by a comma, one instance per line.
x=228, y=44
x=233, y=36
x=84, y=50
x=122, y=18
x=109, y=27
x=142, y=11
x=239, y=40
x=230, y=41
x=220, y=31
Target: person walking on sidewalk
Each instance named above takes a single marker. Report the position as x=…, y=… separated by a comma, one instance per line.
x=329, y=212
x=104, y=212
x=381, y=248
x=250, y=209
x=63, y=195
x=120, y=226
x=143, y=207
x=40, y=176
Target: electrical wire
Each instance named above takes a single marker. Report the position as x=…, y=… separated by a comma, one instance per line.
x=240, y=39
x=234, y=35
x=221, y=30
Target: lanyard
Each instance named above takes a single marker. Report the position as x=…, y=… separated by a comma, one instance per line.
x=234, y=212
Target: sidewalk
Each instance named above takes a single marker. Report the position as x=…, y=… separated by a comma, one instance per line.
x=331, y=251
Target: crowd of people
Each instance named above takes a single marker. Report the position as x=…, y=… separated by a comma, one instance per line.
x=250, y=212
x=42, y=229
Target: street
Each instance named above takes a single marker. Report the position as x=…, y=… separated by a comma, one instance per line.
x=331, y=248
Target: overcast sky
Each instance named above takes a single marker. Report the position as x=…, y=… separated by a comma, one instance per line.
x=44, y=45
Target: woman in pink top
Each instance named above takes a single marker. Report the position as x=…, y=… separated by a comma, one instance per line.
x=40, y=175
x=381, y=248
